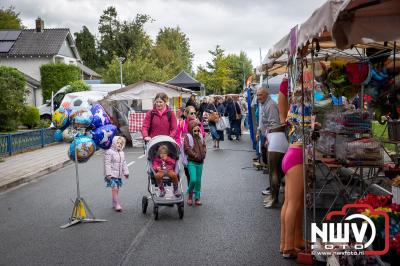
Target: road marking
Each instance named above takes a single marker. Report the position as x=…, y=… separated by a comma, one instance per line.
x=126, y=258
x=129, y=164
x=141, y=156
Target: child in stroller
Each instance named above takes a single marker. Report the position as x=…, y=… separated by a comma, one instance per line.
x=163, y=165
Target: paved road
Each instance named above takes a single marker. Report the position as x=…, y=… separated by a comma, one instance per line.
x=231, y=228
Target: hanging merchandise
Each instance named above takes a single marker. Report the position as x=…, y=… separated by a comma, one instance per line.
x=100, y=116
x=358, y=73
x=85, y=148
x=60, y=118
x=104, y=135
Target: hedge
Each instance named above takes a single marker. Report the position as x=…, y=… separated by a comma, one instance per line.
x=30, y=116
x=78, y=85
x=12, y=97
x=56, y=76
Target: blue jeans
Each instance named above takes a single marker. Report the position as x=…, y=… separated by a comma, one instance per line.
x=235, y=128
x=216, y=134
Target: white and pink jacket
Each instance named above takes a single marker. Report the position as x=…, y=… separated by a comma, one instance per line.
x=114, y=161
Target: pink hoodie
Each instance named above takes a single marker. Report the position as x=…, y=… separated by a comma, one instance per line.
x=169, y=163
x=183, y=129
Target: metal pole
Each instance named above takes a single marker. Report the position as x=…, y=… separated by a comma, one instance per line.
x=120, y=70
x=304, y=155
x=78, y=192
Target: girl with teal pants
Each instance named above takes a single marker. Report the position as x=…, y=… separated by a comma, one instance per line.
x=195, y=150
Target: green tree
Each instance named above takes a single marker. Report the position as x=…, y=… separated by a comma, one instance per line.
x=132, y=39
x=9, y=19
x=77, y=85
x=108, y=29
x=85, y=42
x=172, y=51
x=56, y=76
x=240, y=67
x=12, y=97
x=217, y=76
x=134, y=70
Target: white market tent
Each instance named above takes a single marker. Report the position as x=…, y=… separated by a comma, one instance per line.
x=147, y=90
x=366, y=21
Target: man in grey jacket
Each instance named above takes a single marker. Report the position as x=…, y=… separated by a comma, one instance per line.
x=269, y=122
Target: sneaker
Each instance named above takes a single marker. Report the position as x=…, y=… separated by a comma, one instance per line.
x=267, y=198
x=266, y=192
x=198, y=202
x=270, y=203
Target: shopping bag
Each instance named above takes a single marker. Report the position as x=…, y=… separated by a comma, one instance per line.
x=223, y=123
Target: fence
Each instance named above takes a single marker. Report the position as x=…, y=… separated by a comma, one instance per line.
x=19, y=142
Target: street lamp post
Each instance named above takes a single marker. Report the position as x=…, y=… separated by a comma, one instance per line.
x=121, y=60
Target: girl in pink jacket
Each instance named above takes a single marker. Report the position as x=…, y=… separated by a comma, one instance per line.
x=163, y=165
x=115, y=168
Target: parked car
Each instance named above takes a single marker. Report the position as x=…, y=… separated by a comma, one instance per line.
x=45, y=109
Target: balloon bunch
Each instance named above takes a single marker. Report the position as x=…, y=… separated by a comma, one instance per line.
x=89, y=126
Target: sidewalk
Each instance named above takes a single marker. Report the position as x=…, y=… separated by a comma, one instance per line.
x=22, y=168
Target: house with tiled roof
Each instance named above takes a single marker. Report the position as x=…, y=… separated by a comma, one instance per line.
x=28, y=49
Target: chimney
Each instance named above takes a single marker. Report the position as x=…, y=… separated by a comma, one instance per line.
x=39, y=25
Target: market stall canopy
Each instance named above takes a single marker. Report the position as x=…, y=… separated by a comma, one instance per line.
x=147, y=90
x=183, y=79
x=366, y=21
x=319, y=25
x=278, y=49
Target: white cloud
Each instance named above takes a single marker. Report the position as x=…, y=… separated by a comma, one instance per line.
x=235, y=25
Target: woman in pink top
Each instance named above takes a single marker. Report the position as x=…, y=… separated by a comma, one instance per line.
x=159, y=121
x=183, y=129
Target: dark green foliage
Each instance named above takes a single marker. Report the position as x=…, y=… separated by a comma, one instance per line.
x=78, y=85
x=30, y=116
x=12, y=96
x=56, y=76
x=85, y=43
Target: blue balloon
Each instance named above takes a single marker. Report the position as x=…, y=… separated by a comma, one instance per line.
x=104, y=135
x=85, y=148
x=58, y=135
x=81, y=118
x=100, y=117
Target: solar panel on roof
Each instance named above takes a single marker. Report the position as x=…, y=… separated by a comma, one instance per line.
x=12, y=35
x=5, y=46
x=3, y=34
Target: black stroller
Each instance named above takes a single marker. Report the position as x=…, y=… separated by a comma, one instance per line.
x=169, y=199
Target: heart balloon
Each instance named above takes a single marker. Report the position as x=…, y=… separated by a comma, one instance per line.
x=85, y=148
x=104, y=135
x=100, y=117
